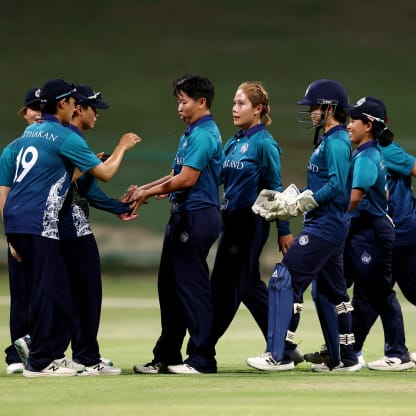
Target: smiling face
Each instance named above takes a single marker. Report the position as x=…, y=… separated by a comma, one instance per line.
x=359, y=131
x=244, y=114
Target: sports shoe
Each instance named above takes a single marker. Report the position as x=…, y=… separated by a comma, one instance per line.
x=65, y=362
x=297, y=356
x=318, y=357
x=150, y=368
x=101, y=369
x=391, y=364
x=15, y=368
x=267, y=363
x=413, y=356
x=340, y=368
x=52, y=370
x=22, y=346
x=182, y=369
x=106, y=361
x=361, y=360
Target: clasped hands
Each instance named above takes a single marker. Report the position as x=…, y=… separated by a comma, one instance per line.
x=284, y=205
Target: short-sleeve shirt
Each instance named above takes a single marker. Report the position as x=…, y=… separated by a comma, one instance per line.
x=37, y=167
x=251, y=163
x=401, y=201
x=329, y=178
x=369, y=175
x=200, y=148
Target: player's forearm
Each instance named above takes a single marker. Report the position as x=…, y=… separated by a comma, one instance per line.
x=4, y=191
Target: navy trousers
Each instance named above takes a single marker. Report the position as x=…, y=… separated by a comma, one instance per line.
x=236, y=274
x=44, y=285
x=82, y=261
x=184, y=288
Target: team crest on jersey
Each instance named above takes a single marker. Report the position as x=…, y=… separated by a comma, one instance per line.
x=366, y=258
x=303, y=240
x=183, y=237
x=244, y=148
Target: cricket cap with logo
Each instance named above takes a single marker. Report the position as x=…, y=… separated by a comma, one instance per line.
x=57, y=89
x=369, y=109
x=91, y=98
x=31, y=99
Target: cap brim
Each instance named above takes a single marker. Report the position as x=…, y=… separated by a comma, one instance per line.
x=100, y=104
x=354, y=112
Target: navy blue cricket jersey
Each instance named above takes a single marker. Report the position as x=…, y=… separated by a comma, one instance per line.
x=200, y=148
x=369, y=175
x=252, y=163
x=401, y=201
x=329, y=178
x=37, y=168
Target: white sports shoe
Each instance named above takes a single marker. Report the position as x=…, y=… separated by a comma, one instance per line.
x=67, y=363
x=101, y=369
x=182, y=369
x=267, y=363
x=106, y=361
x=52, y=370
x=361, y=361
x=390, y=364
x=413, y=356
x=15, y=368
x=340, y=368
x=150, y=368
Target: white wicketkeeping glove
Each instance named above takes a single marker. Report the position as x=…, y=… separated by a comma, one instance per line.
x=305, y=201
x=273, y=204
x=266, y=200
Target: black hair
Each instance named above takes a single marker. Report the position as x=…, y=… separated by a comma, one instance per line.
x=195, y=86
x=386, y=137
x=49, y=107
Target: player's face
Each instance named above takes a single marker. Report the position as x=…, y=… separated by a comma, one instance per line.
x=359, y=131
x=68, y=108
x=244, y=114
x=31, y=115
x=189, y=109
x=88, y=117
x=315, y=113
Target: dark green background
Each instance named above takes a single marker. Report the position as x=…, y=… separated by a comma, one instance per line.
x=133, y=50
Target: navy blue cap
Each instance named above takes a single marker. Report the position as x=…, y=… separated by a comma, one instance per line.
x=32, y=97
x=57, y=89
x=91, y=97
x=369, y=108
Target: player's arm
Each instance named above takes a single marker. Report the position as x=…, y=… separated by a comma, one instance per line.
x=105, y=171
x=356, y=196
x=4, y=192
x=413, y=173
x=186, y=178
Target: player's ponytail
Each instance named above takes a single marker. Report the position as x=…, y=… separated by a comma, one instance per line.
x=386, y=137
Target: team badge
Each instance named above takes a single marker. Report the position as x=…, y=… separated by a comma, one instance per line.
x=183, y=237
x=303, y=240
x=366, y=258
x=244, y=148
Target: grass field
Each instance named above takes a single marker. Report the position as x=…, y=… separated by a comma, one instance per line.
x=130, y=325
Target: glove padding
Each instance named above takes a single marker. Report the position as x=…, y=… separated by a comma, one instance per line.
x=305, y=201
x=284, y=205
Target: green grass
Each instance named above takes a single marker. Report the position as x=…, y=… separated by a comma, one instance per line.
x=130, y=325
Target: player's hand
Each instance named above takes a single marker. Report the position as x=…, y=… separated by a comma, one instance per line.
x=139, y=197
x=305, y=201
x=129, y=140
x=127, y=197
x=127, y=216
x=15, y=254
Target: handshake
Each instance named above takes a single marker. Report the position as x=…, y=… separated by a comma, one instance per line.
x=290, y=203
